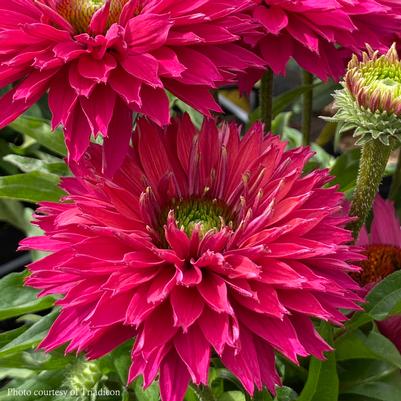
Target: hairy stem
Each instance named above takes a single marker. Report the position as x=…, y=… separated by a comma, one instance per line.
x=266, y=99
x=307, y=108
x=373, y=164
x=396, y=183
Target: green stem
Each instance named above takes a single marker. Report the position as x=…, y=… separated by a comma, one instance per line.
x=266, y=99
x=203, y=393
x=396, y=184
x=372, y=167
x=307, y=108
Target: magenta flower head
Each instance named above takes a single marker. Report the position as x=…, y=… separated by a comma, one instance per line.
x=321, y=35
x=383, y=250
x=202, y=243
x=102, y=61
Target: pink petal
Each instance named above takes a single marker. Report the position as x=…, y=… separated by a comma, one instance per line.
x=194, y=351
x=187, y=306
x=174, y=378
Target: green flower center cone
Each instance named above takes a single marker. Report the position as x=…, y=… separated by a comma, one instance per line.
x=80, y=12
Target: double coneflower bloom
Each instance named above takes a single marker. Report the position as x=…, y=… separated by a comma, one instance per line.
x=195, y=243
x=102, y=61
x=203, y=243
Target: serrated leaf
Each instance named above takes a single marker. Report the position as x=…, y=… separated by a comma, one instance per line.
x=31, y=187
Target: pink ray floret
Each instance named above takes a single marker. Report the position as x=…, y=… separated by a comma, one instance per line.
x=203, y=243
x=100, y=62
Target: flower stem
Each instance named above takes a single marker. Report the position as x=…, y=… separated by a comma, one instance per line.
x=307, y=108
x=396, y=184
x=203, y=393
x=373, y=164
x=266, y=99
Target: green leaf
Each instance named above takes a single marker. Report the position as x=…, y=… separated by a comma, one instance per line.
x=280, y=122
x=35, y=361
x=353, y=346
x=281, y=102
x=321, y=157
x=232, y=396
x=40, y=130
x=262, y=396
x=383, y=348
x=150, y=394
x=286, y=394
x=16, y=300
x=345, y=169
x=121, y=358
x=196, y=117
x=384, y=390
x=12, y=212
x=357, y=371
x=30, y=338
x=31, y=187
x=322, y=383
x=357, y=345
x=385, y=297
x=8, y=336
x=32, y=389
x=29, y=164
x=125, y=396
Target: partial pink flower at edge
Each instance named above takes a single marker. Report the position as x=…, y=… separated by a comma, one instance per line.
x=203, y=243
x=320, y=36
x=383, y=246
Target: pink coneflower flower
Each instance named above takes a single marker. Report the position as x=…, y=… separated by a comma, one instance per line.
x=383, y=249
x=202, y=242
x=102, y=61
x=312, y=31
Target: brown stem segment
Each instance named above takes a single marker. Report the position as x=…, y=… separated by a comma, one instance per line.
x=266, y=99
x=372, y=167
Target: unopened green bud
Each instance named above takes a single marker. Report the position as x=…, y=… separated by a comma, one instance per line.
x=370, y=100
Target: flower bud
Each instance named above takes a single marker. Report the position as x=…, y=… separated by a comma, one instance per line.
x=370, y=101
